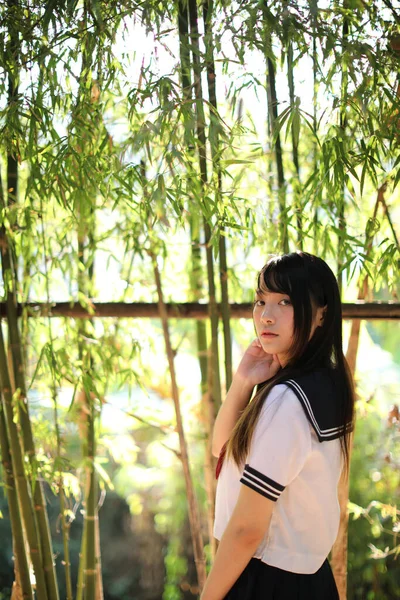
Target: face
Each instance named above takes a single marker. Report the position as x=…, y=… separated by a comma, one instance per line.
x=273, y=313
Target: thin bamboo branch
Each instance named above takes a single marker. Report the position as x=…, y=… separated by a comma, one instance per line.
x=389, y=218
x=194, y=514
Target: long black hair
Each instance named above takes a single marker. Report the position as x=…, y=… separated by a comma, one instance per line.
x=310, y=283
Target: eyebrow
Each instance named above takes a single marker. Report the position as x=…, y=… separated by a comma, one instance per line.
x=260, y=292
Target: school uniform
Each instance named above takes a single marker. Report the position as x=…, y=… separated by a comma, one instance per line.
x=295, y=461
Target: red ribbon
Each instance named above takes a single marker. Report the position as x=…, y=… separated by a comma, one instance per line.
x=220, y=460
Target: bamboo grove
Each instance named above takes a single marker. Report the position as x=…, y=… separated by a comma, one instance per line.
x=146, y=144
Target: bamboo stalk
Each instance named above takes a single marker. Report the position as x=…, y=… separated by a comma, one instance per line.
x=99, y=579
x=22, y=587
x=23, y=487
x=87, y=579
x=215, y=154
x=342, y=125
x=85, y=207
x=64, y=526
x=196, y=274
x=13, y=50
x=65, y=530
x=339, y=550
x=314, y=12
x=39, y=501
x=214, y=384
x=295, y=152
x=212, y=398
x=21, y=558
x=80, y=587
x=27, y=436
x=90, y=514
x=194, y=515
x=9, y=269
x=273, y=115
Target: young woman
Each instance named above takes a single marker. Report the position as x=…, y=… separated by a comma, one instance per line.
x=281, y=454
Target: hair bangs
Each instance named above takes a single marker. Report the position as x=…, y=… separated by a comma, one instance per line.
x=274, y=277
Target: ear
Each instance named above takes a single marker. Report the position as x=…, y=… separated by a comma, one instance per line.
x=321, y=310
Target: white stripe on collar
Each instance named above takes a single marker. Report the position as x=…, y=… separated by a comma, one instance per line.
x=324, y=434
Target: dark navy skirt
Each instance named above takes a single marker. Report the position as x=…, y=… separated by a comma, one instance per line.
x=260, y=581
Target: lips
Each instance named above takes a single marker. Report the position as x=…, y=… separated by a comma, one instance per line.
x=268, y=334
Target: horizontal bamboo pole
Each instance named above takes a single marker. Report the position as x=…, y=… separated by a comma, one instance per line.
x=186, y=310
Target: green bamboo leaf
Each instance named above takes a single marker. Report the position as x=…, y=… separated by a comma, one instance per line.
x=103, y=473
x=396, y=179
x=73, y=397
x=362, y=179
x=235, y=161
x=296, y=122
x=280, y=121
x=38, y=364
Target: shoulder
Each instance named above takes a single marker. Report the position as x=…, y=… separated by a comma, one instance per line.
x=283, y=400
x=317, y=394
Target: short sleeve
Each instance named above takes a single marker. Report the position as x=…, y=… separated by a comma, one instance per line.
x=280, y=445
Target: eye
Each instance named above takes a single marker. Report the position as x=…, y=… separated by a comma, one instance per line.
x=286, y=300
x=258, y=302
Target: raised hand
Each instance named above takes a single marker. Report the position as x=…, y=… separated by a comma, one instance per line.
x=257, y=365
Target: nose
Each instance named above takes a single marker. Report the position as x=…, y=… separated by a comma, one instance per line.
x=266, y=315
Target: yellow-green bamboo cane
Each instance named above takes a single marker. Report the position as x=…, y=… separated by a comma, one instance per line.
x=273, y=111
x=214, y=383
x=314, y=12
x=26, y=428
x=10, y=275
x=22, y=559
x=295, y=151
x=64, y=525
x=196, y=268
x=23, y=486
x=217, y=171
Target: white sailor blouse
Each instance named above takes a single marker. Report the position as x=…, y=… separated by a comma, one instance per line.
x=295, y=461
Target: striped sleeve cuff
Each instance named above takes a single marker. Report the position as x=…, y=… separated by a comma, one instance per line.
x=261, y=483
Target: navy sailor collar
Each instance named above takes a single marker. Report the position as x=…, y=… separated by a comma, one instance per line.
x=318, y=396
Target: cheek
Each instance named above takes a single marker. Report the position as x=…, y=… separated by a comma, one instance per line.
x=290, y=323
